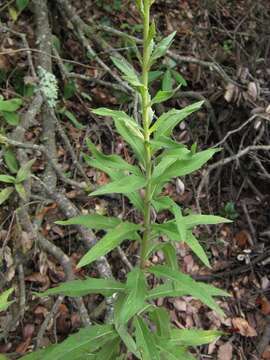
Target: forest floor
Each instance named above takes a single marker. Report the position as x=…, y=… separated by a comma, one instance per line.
x=222, y=51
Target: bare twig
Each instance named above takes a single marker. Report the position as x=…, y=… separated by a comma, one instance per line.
x=47, y=320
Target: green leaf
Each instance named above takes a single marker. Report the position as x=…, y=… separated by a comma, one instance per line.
x=154, y=75
x=193, y=337
x=136, y=200
x=92, y=221
x=169, y=228
x=168, y=289
x=79, y=345
x=21, y=191
x=167, y=160
x=125, y=185
x=21, y=4
x=11, y=161
x=167, y=121
x=5, y=194
x=179, y=78
x=127, y=127
x=145, y=340
x=13, y=13
x=161, y=319
x=186, y=283
x=38, y=355
x=162, y=47
x=162, y=96
x=114, y=237
x=167, y=81
x=128, y=340
x=136, y=143
x=7, y=179
x=196, y=247
x=10, y=105
x=170, y=255
x=111, y=161
x=151, y=33
x=71, y=117
x=173, y=352
x=197, y=219
x=69, y=89
x=105, y=287
x=140, y=7
x=134, y=301
x=25, y=171
x=123, y=117
x=4, y=303
x=56, y=43
x=11, y=118
x=109, y=351
x=185, y=167
x=129, y=72
x=179, y=219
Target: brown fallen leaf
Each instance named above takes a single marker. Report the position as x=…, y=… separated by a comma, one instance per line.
x=266, y=353
x=264, y=305
x=42, y=281
x=243, y=239
x=225, y=352
x=23, y=346
x=243, y=327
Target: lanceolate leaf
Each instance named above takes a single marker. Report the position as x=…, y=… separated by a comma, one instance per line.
x=78, y=345
x=114, y=237
x=193, y=337
x=169, y=228
x=75, y=288
x=92, y=221
x=161, y=319
x=4, y=303
x=136, y=293
x=21, y=191
x=198, y=219
x=185, y=282
x=122, y=117
x=21, y=4
x=7, y=179
x=131, y=133
x=162, y=47
x=196, y=247
x=166, y=290
x=25, y=171
x=185, y=167
x=10, y=105
x=180, y=224
x=11, y=118
x=162, y=96
x=167, y=121
x=167, y=81
x=145, y=340
x=172, y=352
x=128, y=340
x=112, y=161
x=125, y=185
x=127, y=69
x=170, y=255
x=5, y=194
x=109, y=351
x=11, y=161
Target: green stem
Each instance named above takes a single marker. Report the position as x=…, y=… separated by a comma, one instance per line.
x=146, y=124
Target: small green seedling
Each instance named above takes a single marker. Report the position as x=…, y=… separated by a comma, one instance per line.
x=16, y=181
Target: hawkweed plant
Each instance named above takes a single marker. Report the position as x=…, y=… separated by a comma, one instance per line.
x=140, y=329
